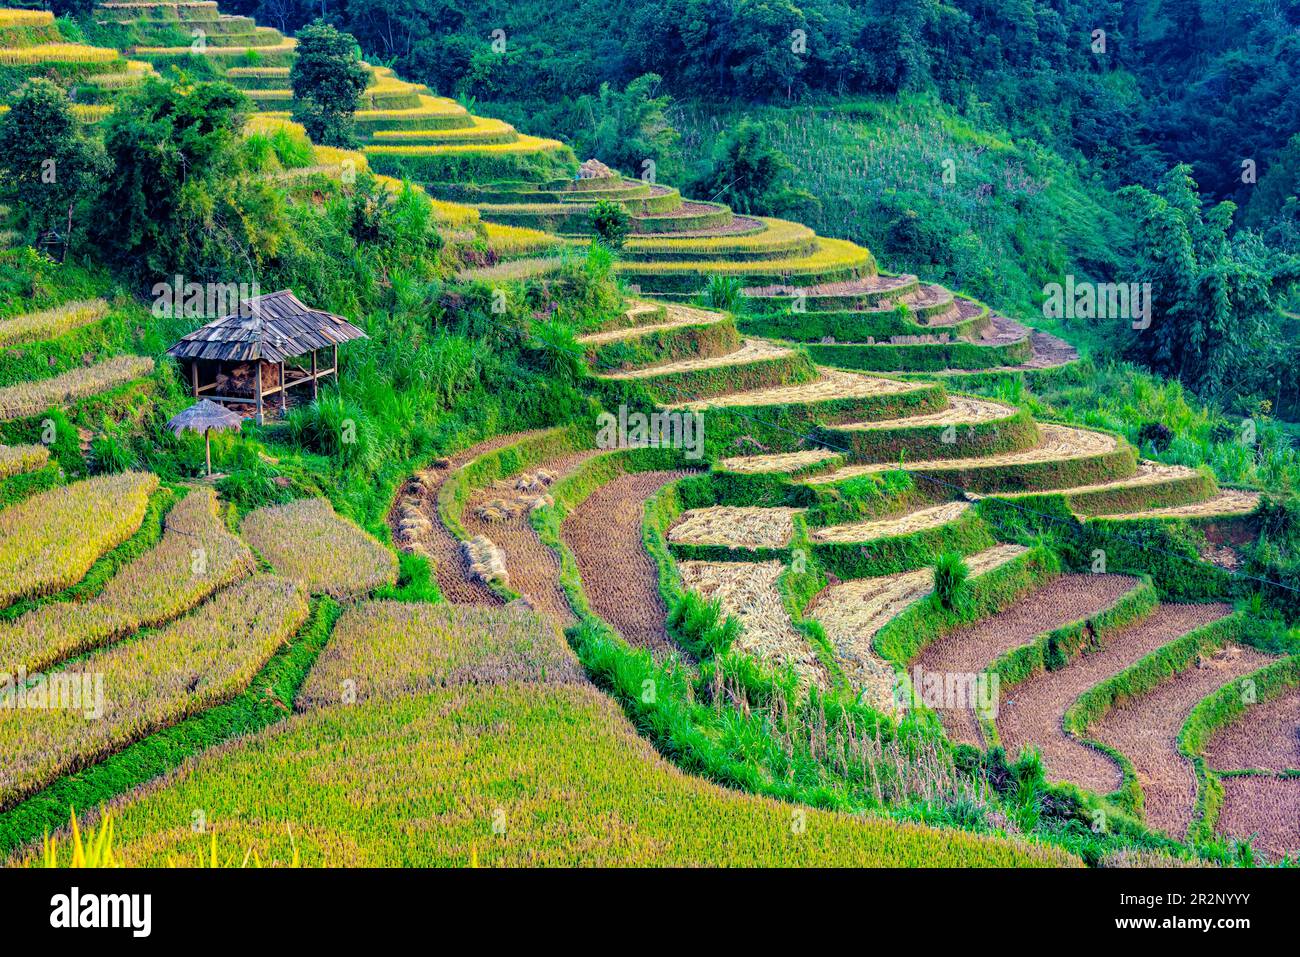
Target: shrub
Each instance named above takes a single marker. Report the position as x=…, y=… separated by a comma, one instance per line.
x=950, y=573
x=1157, y=433
x=611, y=222
x=724, y=292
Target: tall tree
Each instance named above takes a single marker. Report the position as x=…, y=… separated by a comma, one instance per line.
x=47, y=166
x=328, y=79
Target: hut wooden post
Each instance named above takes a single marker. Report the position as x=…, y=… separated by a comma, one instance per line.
x=194, y=376
x=284, y=389
x=260, y=419
x=207, y=442
x=336, y=362
x=315, y=382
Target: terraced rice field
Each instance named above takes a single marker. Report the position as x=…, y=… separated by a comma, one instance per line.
x=620, y=580
x=388, y=650
x=34, y=397
x=782, y=463
x=914, y=521
x=972, y=649
x=832, y=384
x=1030, y=713
x=748, y=591
x=1266, y=737
x=1263, y=810
x=49, y=541
x=196, y=557
x=676, y=317
x=501, y=512
x=1145, y=729
x=1227, y=502
x=308, y=543
x=962, y=410
x=49, y=323
x=752, y=350
x=18, y=459
x=853, y=612
x=141, y=686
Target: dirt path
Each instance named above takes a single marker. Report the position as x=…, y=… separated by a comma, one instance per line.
x=972, y=649
x=621, y=581
x=1030, y=713
x=534, y=568
x=1267, y=737
x=435, y=540
x=1146, y=728
x=1267, y=809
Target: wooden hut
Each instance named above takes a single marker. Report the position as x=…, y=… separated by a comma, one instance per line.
x=272, y=344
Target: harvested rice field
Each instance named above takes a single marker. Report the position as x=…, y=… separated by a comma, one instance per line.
x=962, y=410
x=418, y=528
x=751, y=350
x=915, y=521
x=853, y=612
x=783, y=463
x=735, y=527
x=1145, y=729
x=748, y=590
x=972, y=649
x=675, y=317
x=1030, y=713
x=1057, y=443
x=833, y=384
x=500, y=513
x=1266, y=737
x=1227, y=503
x=1264, y=810
x=620, y=580
x=306, y=541
x=33, y=398
x=390, y=650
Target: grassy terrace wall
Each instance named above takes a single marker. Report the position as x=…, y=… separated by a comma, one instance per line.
x=921, y=357
x=966, y=534
x=855, y=326
x=788, y=427
x=700, y=340
x=1012, y=433
x=1139, y=678
x=906, y=636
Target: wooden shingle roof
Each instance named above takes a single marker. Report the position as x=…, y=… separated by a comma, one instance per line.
x=273, y=327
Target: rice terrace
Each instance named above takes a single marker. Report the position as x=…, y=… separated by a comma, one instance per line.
x=464, y=449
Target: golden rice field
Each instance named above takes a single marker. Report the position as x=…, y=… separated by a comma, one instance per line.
x=518, y=240
x=33, y=398
x=1228, y=502
x=829, y=254
x=482, y=126
x=57, y=53
x=146, y=684
x=306, y=541
x=195, y=557
x=390, y=649
x=524, y=144
x=528, y=797
x=51, y=322
x=25, y=18
x=778, y=234
x=17, y=459
x=49, y=541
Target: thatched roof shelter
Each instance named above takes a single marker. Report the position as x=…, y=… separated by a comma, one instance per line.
x=244, y=357
x=204, y=416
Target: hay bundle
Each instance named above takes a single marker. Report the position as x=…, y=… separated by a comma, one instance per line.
x=486, y=561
